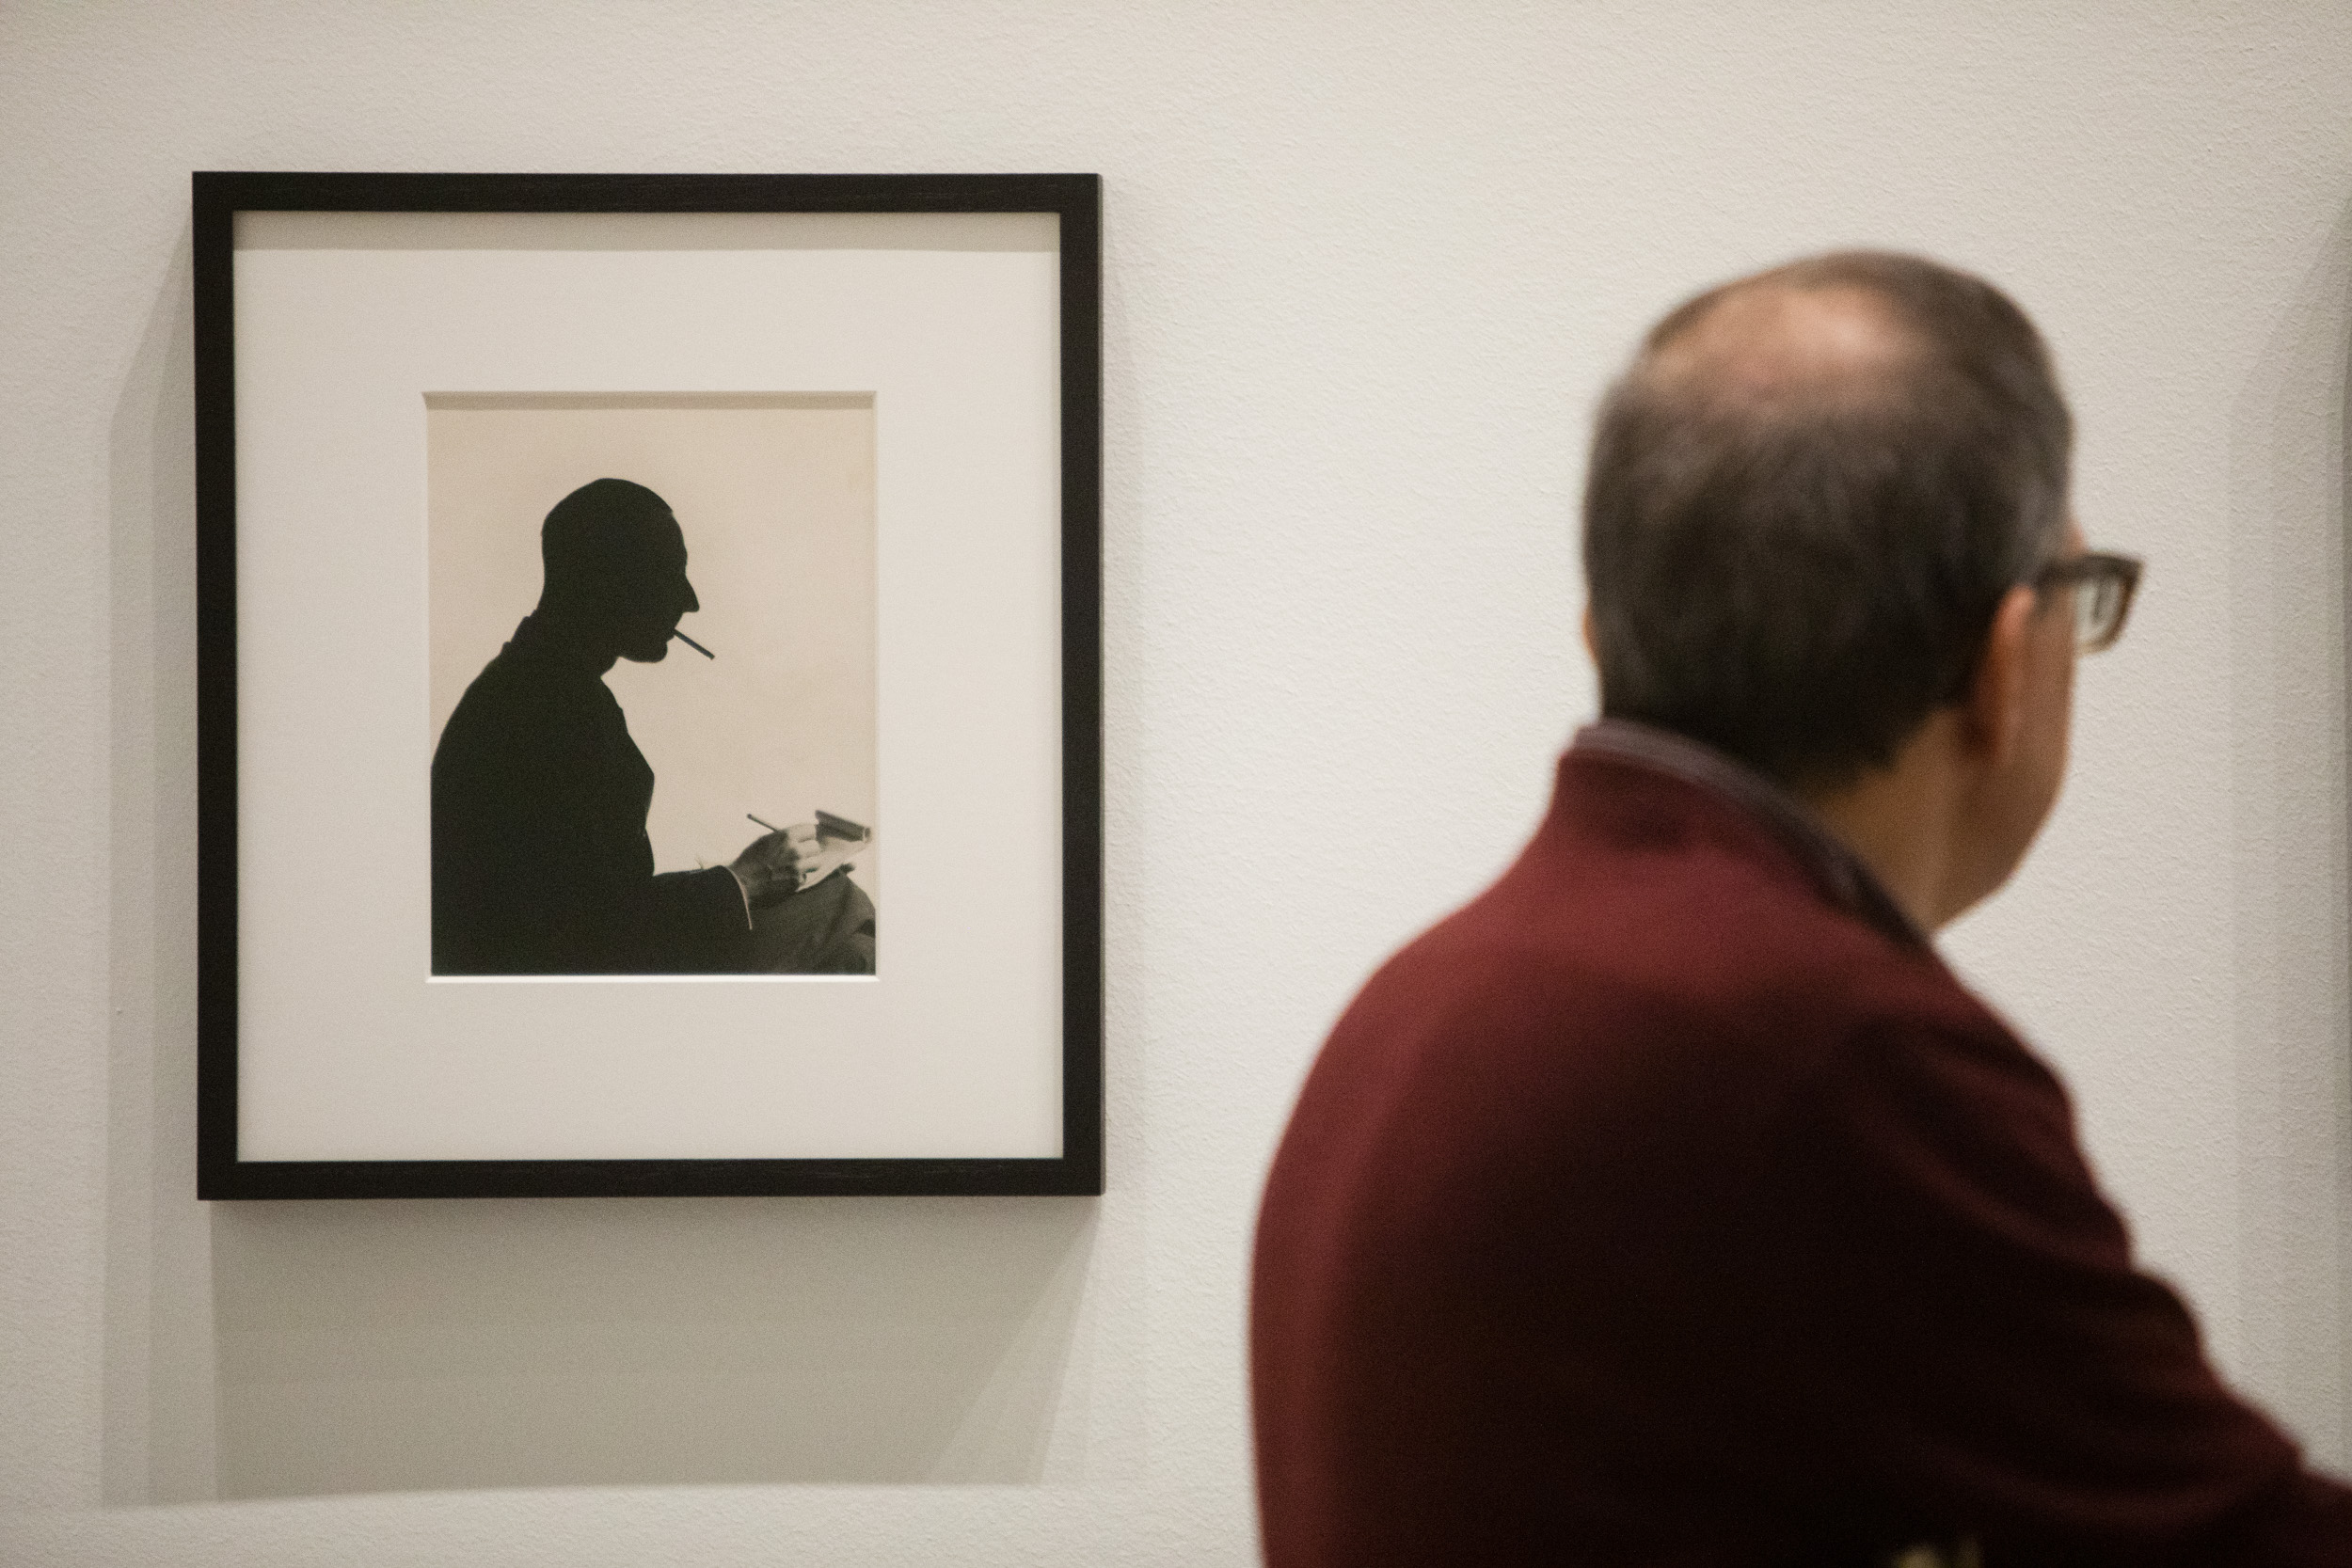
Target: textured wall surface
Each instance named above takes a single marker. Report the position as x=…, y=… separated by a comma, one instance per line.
x=1368, y=265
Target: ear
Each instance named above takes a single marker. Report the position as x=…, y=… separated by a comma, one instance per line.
x=1992, y=710
x=1591, y=652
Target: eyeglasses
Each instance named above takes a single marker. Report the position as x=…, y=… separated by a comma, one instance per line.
x=2103, y=586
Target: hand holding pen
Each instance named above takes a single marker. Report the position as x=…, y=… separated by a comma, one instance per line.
x=778, y=862
x=788, y=860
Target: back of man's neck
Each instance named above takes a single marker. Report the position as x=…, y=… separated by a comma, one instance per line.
x=1901, y=821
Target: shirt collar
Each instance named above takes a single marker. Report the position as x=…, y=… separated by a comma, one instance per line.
x=1834, y=869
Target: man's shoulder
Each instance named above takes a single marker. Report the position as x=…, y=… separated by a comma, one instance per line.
x=1657, y=939
x=515, y=698
x=1620, y=1014
x=1656, y=886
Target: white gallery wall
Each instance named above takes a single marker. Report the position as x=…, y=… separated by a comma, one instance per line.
x=1367, y=266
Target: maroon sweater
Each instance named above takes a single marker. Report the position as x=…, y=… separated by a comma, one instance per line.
x=1672, y=1203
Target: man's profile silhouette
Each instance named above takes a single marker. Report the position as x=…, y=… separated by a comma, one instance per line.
x=541, y=864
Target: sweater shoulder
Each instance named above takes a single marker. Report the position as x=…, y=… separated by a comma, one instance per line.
x=1686, y=975
x=1698, y=934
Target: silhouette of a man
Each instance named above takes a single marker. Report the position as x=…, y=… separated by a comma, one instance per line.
x=541, y=864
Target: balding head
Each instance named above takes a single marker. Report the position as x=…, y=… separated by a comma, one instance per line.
x=1767, y=344
x=1806, y=497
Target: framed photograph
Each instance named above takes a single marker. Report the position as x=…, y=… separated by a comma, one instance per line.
x=601, y=578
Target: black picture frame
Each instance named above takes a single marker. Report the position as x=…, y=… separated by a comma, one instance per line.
x=224, y=1173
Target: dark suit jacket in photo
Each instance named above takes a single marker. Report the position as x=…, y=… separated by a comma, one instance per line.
x=541, y=864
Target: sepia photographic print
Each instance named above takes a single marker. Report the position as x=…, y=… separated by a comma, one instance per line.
x=653, y=684
x=596, y=575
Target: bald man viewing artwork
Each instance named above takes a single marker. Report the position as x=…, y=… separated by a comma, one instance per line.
x=1672, y=1203
x=541, y=862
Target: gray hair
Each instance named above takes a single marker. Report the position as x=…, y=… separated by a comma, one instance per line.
x=1799, y=570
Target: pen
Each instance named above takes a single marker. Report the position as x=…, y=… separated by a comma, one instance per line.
x=828, y=826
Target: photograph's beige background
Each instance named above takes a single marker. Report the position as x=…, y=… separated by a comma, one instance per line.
x=775, y=496
x=1367, y=267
